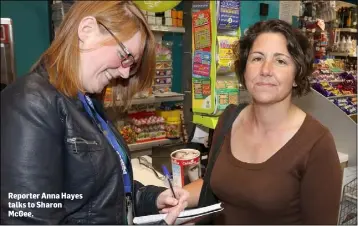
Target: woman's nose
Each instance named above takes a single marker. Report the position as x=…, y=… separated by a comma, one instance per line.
x=124, y=72
x=266, y=68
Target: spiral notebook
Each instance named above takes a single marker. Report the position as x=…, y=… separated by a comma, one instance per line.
x=185, y=216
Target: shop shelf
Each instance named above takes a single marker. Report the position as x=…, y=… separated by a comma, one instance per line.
x=162, y=28
x=353, y=117
x=333, y=81
x=207, y=121
x=157, y=98
x=342, y=96
x=352, y=30
x=151, y=144
x=341, y=54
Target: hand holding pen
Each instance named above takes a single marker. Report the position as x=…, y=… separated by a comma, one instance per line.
x=172, y=200
x=168, y=178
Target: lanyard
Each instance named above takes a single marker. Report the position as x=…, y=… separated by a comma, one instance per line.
x=88, y=105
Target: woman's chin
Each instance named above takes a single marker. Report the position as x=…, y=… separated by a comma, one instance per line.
x=265, y=99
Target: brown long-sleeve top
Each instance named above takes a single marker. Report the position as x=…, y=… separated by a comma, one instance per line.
x=300, y=184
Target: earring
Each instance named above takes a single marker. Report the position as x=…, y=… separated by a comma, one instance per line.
x=294, y=84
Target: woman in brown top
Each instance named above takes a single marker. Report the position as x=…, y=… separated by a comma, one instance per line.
x=278, y=165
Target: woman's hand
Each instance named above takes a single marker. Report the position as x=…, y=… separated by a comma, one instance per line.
x=166, y=203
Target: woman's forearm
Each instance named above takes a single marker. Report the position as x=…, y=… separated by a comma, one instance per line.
x=194, y=189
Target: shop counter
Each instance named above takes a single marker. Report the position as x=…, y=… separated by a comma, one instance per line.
x=146, y=175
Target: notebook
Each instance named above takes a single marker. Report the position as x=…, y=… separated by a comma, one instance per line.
x=185, y=216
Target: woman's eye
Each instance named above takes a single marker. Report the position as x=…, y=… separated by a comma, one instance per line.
x=281, y=62
x=255, y=59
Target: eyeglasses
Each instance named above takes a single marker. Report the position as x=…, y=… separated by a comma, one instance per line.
x=127, y=59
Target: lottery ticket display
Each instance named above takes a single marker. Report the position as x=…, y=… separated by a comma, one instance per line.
x=215, y=26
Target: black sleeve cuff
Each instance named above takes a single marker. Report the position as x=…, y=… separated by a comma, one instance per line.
x=146, y=200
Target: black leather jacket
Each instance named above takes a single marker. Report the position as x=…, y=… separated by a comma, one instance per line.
x=49, y=145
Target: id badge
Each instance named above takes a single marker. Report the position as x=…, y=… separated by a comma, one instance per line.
x=129, y=210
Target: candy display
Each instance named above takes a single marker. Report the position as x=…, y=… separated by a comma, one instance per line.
x=163, y=65
x=172, y=115
x=147, y=126
x=163, y=80
x=163, y=72
x=163, y=51
x=326, y=89
x=173, y=127
x=128, y=134
x=163, y=76
x=348, y=105
x=162, y=88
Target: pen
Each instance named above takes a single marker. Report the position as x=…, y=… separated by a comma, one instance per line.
x=167, y=175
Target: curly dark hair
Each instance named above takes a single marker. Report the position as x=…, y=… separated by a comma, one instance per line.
x=297, y=45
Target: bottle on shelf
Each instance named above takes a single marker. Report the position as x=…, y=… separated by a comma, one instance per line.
x=338, y=44
x=349, y=45
x=349, y=18
x=342, y=45
x=354, y=17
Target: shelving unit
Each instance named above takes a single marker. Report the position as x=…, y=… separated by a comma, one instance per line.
x=333, y=81
x=342, y=96
x=151, y=144
x=159, y=98
x=161, y=28
x=352, y=30
x=146, y=148
x=207, y=121
x=341, y=54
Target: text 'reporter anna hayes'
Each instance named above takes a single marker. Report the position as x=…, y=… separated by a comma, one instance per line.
x=46, y=196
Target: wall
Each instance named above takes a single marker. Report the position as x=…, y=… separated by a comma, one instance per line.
x=250, y=12
x=31, y=31
x=177, y=55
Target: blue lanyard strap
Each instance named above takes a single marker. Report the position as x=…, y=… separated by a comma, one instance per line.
x=88, y=105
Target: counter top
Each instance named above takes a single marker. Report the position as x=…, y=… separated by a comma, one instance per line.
x=146, y=175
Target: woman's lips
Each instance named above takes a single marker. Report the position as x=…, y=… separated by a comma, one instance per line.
x=265, y=84
x=108, y=76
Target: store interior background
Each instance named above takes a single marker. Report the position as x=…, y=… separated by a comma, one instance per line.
x=33, y=33
x=39, y=33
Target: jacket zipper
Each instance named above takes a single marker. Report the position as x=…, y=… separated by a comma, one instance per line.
x=80, y=140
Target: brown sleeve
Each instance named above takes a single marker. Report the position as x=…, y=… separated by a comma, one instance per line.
x=321, y=184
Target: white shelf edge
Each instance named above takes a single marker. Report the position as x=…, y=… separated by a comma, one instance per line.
x=162, y=28
x=342, y=96
x=156, y=99
x=340, y=54
x=151, y=144
x=333, y=81
x=352, y=30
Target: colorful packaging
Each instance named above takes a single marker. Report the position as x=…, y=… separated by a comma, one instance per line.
x=227, y=92
x=163, y=80
x=163, y=51
x=225, y=56
x=185, y=166
x=173, y=127
x=163, y=72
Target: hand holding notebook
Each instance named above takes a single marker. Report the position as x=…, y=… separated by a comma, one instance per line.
x=185, y=216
